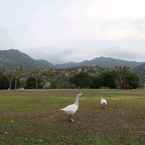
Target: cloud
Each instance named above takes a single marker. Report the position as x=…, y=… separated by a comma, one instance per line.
x=74, y=30
x=5, y=39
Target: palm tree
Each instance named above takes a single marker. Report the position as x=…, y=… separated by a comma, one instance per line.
x=37, y=76
x=10, y=76
x=18, y=73
x=121, y=72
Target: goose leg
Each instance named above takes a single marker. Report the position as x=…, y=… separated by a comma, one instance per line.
x=103, y=106
x=71, y=118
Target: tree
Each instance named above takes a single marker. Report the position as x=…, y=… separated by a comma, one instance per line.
x=82, y=80
x=10, y=77
x=121, y=80
x=125, y=79
x=61, y=82
x=18, y=73
x=30, y=83
x=96, y=82
x=133, y=80
x=34, y=80
x=37, y=76
x=107, y=79
x=4, y=84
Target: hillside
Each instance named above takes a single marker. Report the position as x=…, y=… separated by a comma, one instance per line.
x=105, y=62
x=13, y=58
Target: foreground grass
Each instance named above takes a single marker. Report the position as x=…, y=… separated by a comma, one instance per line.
x=33, y=118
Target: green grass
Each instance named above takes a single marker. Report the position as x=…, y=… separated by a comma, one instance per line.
x=33, y=117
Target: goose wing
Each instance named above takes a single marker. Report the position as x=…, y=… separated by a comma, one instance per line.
x=70, y=109
x=103, y=101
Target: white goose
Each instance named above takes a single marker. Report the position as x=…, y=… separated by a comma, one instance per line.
x=73, y=108
x=103, y=103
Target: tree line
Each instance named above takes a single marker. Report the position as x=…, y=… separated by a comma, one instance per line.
x=117, y=78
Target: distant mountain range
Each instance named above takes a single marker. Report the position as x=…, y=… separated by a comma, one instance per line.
x=104, y=62
x=13, y=58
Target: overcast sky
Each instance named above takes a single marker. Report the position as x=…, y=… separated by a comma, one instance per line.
x=74, y=30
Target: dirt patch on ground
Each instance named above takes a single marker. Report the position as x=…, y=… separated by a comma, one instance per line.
x=110, y=120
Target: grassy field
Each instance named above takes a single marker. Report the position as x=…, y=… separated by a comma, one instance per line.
x=34, y=118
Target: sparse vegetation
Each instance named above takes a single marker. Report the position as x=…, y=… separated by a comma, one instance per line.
x=33, y=118
x=86, y=77
x=18, y=70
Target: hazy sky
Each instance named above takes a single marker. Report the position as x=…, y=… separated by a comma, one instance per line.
x=74, y=30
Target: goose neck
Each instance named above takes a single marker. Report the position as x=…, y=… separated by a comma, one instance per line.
x=77, y=100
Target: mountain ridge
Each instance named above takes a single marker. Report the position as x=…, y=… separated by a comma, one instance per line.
x=12, y=58
x=106, y=62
